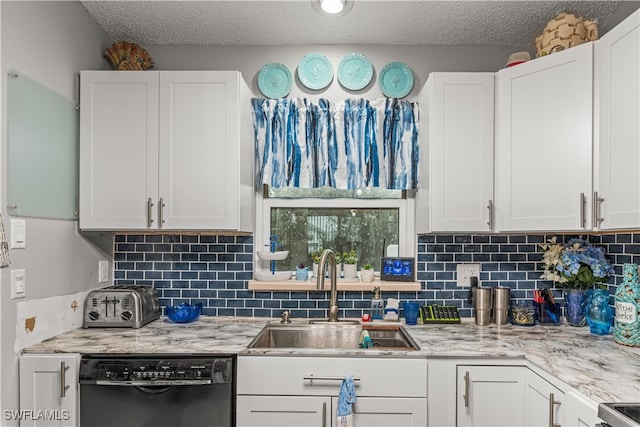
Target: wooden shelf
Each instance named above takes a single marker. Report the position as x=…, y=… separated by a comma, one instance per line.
x=298, y=285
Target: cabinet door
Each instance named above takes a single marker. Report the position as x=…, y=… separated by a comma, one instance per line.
x=544, y=403
x=460, y=138
x=490, y=396
x=385, y=412
x=49, y=390
x=579, y=411
x=199, y=149
x=118, y=148
x=544, y=142
x=618, y=147
x=283, y=411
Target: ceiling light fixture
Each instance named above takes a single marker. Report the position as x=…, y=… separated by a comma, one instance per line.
x=332, y=7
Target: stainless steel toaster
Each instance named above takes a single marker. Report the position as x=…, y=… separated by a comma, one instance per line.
x=121, y=307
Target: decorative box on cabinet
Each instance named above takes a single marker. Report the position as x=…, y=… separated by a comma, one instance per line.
x=456, y=191
x=165, y=150
x=617, y=148
x=543, y=158
x=49, y=383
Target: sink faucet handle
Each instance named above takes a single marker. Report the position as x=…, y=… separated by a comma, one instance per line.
x=285, y=316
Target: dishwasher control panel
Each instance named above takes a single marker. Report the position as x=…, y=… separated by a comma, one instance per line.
x=122, y=370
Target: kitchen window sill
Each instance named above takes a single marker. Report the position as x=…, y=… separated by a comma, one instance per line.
x=299, y=285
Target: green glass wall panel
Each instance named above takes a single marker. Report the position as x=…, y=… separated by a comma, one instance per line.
x=43, y=143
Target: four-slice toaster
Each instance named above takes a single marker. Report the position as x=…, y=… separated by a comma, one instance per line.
x=121, y=307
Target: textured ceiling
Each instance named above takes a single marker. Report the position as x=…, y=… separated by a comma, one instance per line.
x=295, y=22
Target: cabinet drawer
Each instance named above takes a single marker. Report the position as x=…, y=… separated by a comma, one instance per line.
x=377, y=376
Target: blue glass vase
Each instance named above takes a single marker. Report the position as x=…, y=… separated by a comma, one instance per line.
x=598, y=312
x=575, y=304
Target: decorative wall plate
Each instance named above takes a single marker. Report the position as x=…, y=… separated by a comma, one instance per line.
x=315, y=71
x=355, y=71
x=395, y=80
x=275, y=80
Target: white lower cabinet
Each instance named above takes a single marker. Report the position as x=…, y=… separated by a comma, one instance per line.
x=283, y=411
x=49, y=390
x=502, y=392
x=490, y=395
x=548, y=405
x=278, y=391
x=545, y=403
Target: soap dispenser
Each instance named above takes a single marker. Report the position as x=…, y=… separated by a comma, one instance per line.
x=377, y=305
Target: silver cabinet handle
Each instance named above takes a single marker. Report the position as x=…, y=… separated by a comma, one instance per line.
x=465, y=396
x=160, y=212
x=149, y=212
x=597, y=201
x=490, y=207
x=63, y=386
x=583, y=219
x=324, y=414
x=324, y=378
x=552, y=403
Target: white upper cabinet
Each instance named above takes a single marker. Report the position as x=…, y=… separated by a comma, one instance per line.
x=543, y=158
x=617, y=166
x=456, y=192
x=165, y=150
x=118, y=148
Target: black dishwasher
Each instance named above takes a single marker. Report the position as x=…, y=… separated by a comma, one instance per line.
x=157, y=390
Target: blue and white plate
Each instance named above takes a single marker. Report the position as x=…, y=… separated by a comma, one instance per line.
x=315, y=71
x=275, y=80
x=395, y=80
x=355, y=71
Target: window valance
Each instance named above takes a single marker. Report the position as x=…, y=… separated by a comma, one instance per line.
x=349, y=144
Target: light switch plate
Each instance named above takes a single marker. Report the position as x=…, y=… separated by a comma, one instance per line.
x=18, y=234
x=18, y=283
x=103, y=271
x=464, y=272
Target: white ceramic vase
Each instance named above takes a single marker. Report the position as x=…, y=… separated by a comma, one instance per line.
x=366, y=275
x=350, y=270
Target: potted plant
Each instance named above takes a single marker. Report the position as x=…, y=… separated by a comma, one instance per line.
x=302, y=272
x=366, y=273
x=350, y=261
x=576, y=266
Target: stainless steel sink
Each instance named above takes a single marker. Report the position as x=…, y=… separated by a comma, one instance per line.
x=620, y=414
x=332, y=335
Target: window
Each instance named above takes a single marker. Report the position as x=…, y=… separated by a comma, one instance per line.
x=338, y=219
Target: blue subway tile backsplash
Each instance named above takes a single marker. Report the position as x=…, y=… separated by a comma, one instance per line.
x=215, y=271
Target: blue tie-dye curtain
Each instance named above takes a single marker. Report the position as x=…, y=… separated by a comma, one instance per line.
x=347, y=145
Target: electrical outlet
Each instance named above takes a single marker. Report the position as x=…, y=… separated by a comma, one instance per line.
x=464, y=272
x=18, y=283
x=103, y=271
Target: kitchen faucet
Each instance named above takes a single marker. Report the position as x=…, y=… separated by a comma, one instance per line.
x=333, y=300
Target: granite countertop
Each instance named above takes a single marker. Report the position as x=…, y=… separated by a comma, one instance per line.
x=594, y=365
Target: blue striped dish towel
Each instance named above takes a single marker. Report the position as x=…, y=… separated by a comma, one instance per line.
x=346, y=399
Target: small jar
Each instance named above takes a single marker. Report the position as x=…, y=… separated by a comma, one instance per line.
x=522, y=313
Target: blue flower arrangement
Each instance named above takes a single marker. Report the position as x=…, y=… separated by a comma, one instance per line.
x=575, y=265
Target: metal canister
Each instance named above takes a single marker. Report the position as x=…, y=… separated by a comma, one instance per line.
x=482, y=305
x=501, y=303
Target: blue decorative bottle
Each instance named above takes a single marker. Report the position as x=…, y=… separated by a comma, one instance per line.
x=598, y=312
x=627, y=321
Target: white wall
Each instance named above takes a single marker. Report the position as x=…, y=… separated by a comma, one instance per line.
x=249, y=59
x=51, y=42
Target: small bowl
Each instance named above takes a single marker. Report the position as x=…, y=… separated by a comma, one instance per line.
x=267, y=276
x=183, y=313
x=272, y=256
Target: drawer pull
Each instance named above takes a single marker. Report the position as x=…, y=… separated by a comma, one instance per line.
x=325, y=378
